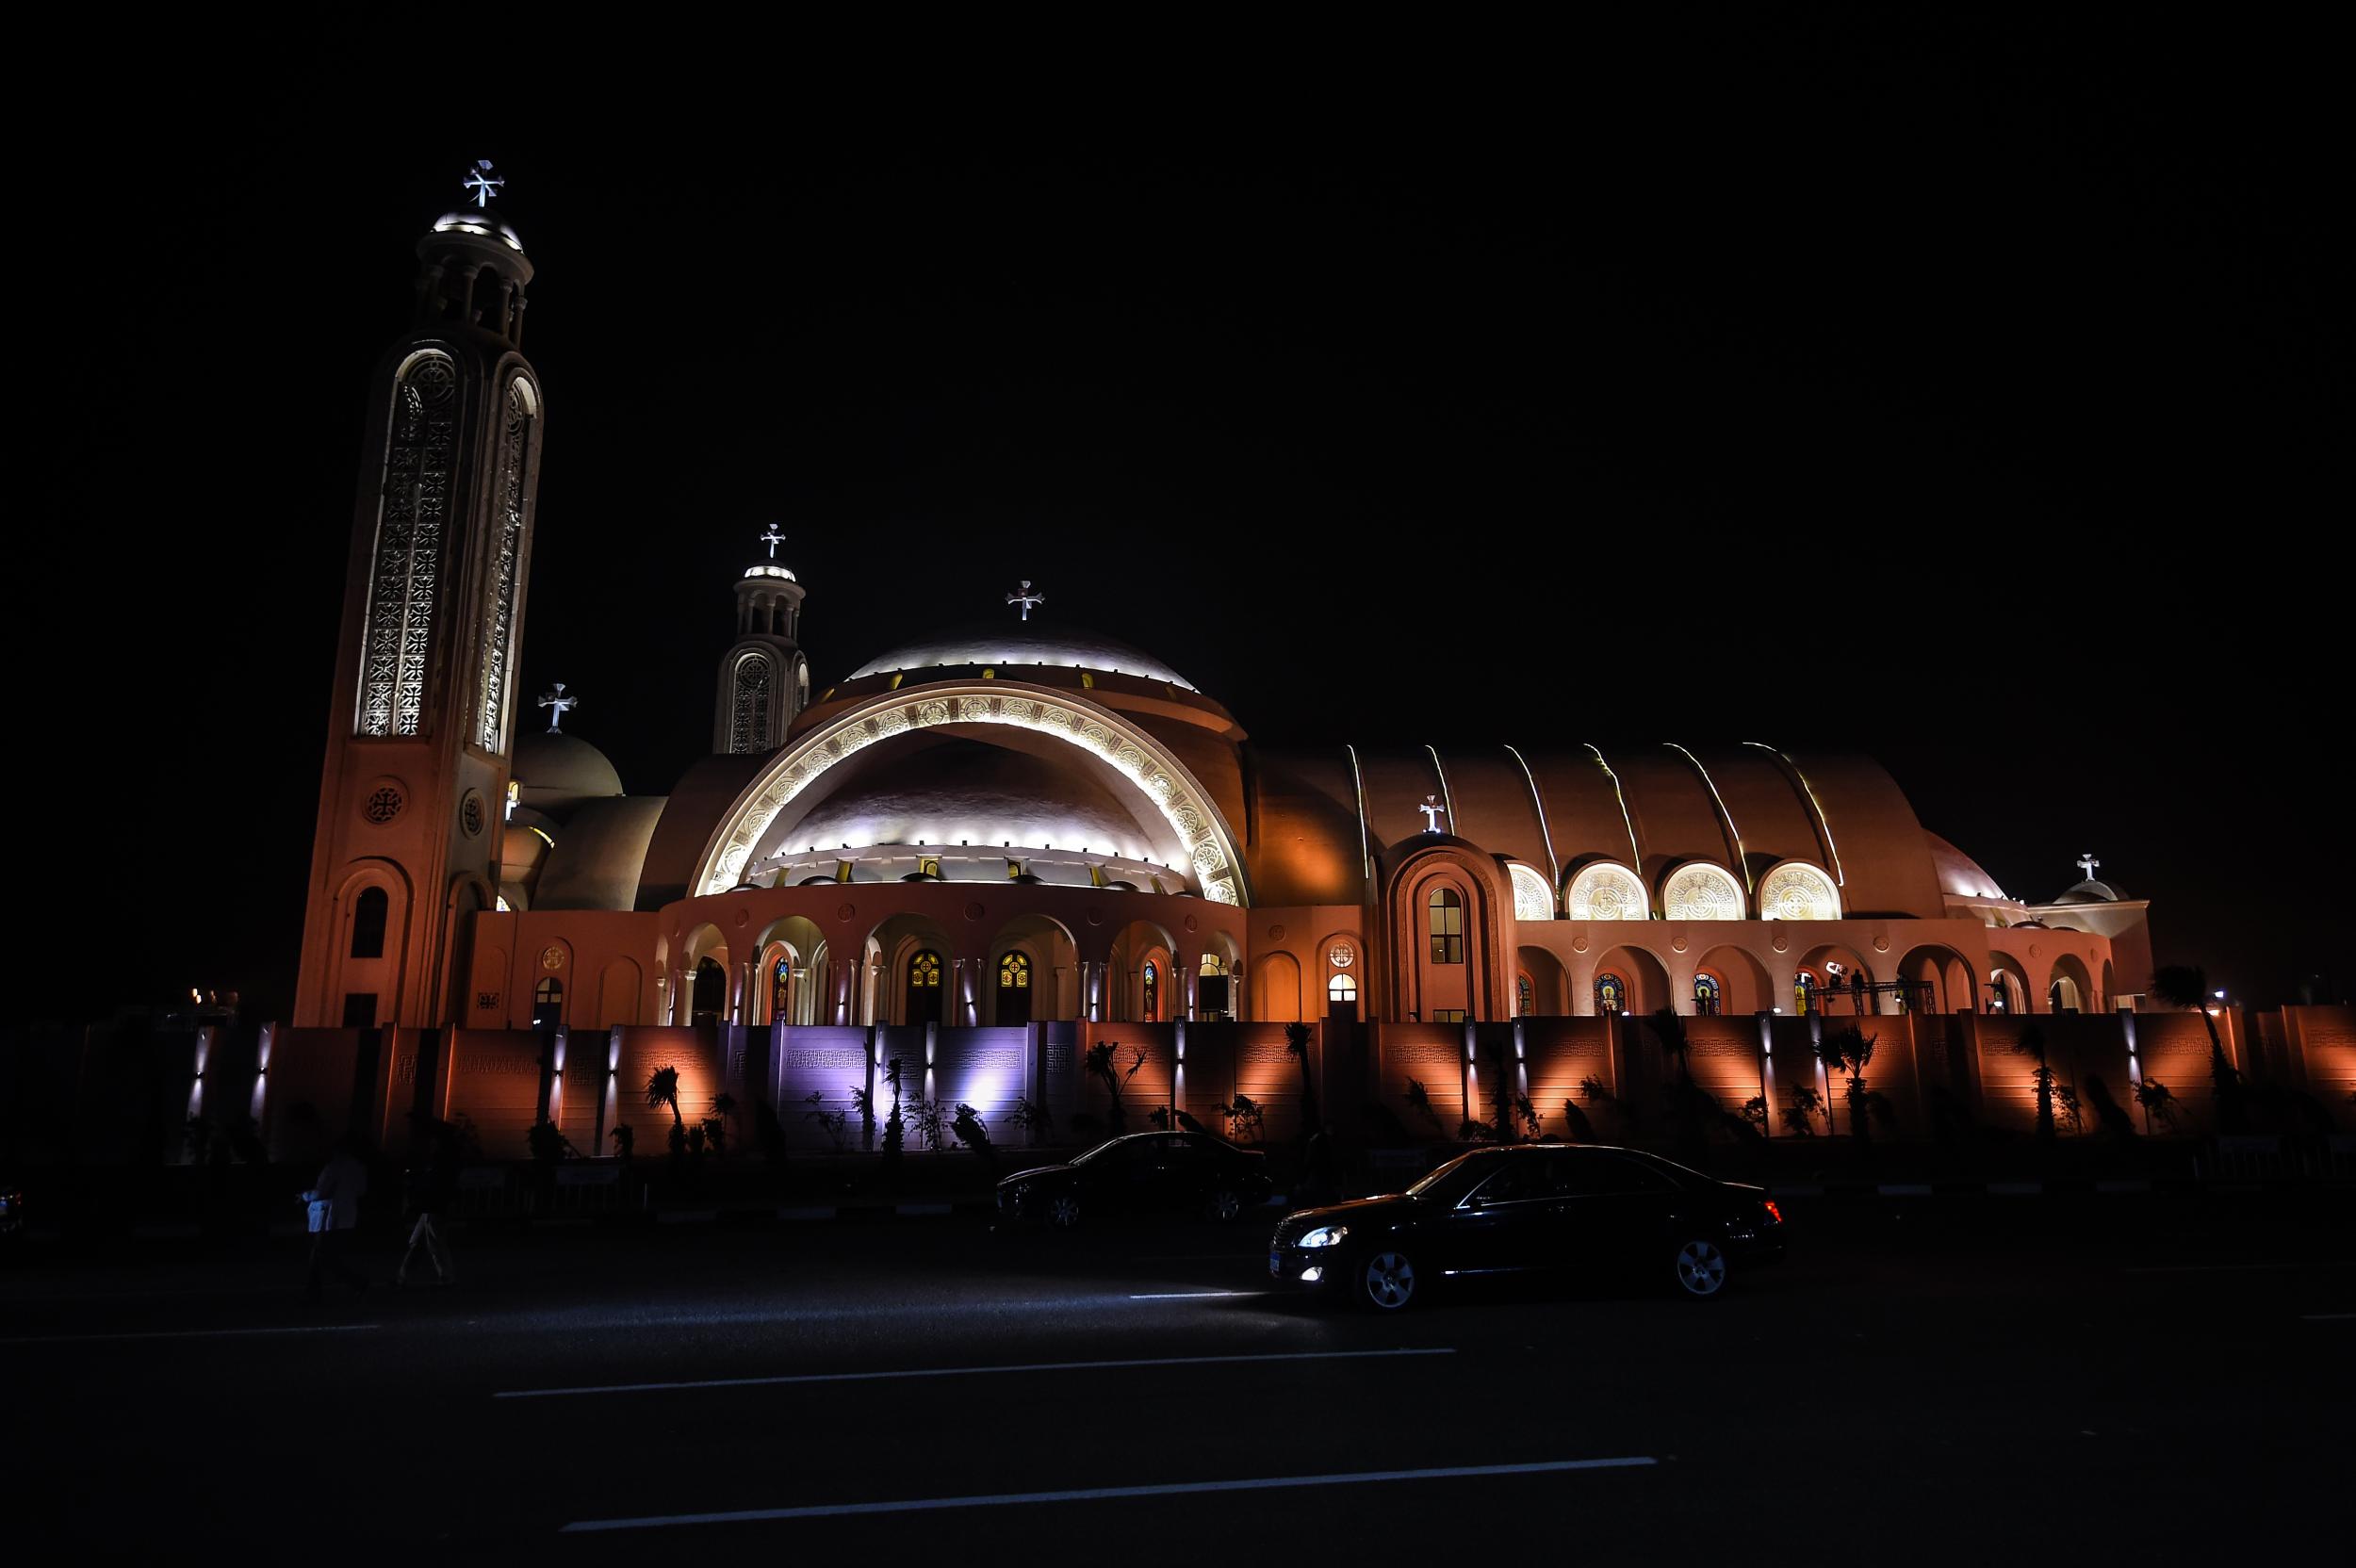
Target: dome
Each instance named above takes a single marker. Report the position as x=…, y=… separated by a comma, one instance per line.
x=2091, y=891
x=1019, y=643
x=483, y=224
x=1959, y=875
x=554, y=770
x=955, y=790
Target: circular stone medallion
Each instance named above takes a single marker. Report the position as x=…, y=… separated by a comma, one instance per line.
x=846, y=911
x=552, y=957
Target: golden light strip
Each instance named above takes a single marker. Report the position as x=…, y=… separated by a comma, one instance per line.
x=1554, y=867
x=1824, y=825
x=1365, y=850
x=1740, y=858
x=1636, y=856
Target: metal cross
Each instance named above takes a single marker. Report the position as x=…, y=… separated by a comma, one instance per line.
x=2086, y=863
x=1026, y=599
x=482, y=182
x=1432, y=810
x=773, y=539
x=558, y=705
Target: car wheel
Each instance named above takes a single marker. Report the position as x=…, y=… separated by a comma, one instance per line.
x=1063, y=1210
x=1701, y=1268
x=1388, y=1279
x=1226, y=1203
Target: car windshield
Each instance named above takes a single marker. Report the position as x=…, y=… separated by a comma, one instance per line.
x=1104, y=1146
x=1453, y=1177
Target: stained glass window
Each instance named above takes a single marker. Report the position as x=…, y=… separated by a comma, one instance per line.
x=1014, y=973
x=1706, y=994
x=1610, y=995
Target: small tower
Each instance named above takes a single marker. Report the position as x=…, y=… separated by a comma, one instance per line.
x=406, y=848
x=764, y=681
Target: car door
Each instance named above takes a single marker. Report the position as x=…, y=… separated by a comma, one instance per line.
x=1502, y=1225
x=1608, y=1207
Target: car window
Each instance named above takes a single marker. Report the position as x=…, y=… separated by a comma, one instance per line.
x=1622, y=1175
x=1517, y=1178
x=1580, y=1173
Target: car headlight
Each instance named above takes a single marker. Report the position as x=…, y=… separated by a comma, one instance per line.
x=1324, y=1235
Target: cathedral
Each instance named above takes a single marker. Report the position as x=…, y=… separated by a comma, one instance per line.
x=1015, y=834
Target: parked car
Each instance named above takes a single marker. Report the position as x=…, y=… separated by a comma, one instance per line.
x=1191, y=1173
x=1532, y=1208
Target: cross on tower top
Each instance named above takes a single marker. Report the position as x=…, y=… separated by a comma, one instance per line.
x=1431, y=811
x=2086, y=863
x=773, y=539
x=1026, y=599
x=482, y=182
x=558, y=705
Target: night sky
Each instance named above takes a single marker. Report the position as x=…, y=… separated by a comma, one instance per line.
x=1973, y=396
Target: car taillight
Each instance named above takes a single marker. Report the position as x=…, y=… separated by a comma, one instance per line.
x=1775, y=1215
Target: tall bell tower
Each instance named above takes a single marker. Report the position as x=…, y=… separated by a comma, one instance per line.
x=406, y=850
x=764, y=681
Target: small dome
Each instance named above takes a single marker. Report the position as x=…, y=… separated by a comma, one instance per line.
x=555, y=771
x=2091, y=891
x=1015, y=644
x=483, y=224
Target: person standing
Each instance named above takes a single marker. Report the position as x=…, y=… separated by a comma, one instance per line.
x=437, y=1188
x=334, y=1201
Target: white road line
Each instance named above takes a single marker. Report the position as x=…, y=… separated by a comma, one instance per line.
x=968, y=1371
x=2243, y=1267
x=1191, y=1295
x=1094, y=1494
x=196, y=1334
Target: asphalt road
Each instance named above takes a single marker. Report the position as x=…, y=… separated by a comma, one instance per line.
x=1950, y=1380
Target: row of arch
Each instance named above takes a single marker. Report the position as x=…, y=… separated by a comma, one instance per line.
x=908, y=970
x=1691, y=890
x=1831, y=979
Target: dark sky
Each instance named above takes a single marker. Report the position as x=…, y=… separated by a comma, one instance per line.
x=1973, y=393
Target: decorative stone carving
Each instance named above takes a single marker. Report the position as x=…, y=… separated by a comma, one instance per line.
x=1796, y=891
x=1702, y=892
x=501, y=582
x=1606, y=893
x=405, y=577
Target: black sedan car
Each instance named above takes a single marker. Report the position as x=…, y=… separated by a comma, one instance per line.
x=1535, y=1207
x=1185, y=1173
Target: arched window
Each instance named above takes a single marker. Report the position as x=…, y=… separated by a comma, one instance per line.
x=510, y=496
x=1524, y=997
x=1342, y=989
x=1448, y=927
x=1153, y=992
x=781, y=990
x=1706, y=994
x=710, y=997
x=547, y=1004
x=368, y=915
x=1014, y=988
x=1606, y=892
x=924, y=988
x=1804, y=992
x=1533, y=897
x=397, y=639
x=748, y=704
x=1610, y=995
x=1797, y=891
x=1702, y=892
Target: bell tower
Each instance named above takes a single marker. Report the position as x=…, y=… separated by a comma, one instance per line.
x=406, y=848
x=764, y=681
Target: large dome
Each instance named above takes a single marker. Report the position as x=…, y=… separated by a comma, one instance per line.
x=1011, y=644
x=957, y=790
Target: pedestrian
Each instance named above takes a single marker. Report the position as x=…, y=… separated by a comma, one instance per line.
x=1857, y=990
x=334, y=1211
x=435, y=1187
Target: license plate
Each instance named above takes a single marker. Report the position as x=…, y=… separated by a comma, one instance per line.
x=1276, y=1263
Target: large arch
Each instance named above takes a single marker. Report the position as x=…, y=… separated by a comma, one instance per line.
x=1550, y=984
x=1052, y=955
x=891, y=947
x=1646, y=982
x=2008, y=982
x=1113, y=740
x=1276, y=989
x=1835, y=967
x=1941, y=977
x=2069, y=989
x=1743, y=985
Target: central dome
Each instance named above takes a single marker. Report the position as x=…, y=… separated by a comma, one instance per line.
x=1018, y=642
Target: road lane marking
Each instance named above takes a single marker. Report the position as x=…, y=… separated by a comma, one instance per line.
x=2244, y=1268
x=196, y=1334
x=1191, y=1295
x=1095, y=1494
x=789, y=1378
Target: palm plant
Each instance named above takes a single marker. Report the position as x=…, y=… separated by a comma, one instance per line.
x=2185, y=985
x=1419, y=1101
x=1806, y=1104
x=2157, y=1100
x=1852, y=1051
x=1575, y=1122
x=2032, y=1045
x=1297, y=1038
x=663, y=1093
x=1100, y=1065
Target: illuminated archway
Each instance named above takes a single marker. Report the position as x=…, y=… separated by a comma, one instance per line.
x=1606, y=892
x=1112, y=740
x=1699, y=889
x=1797, y=891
